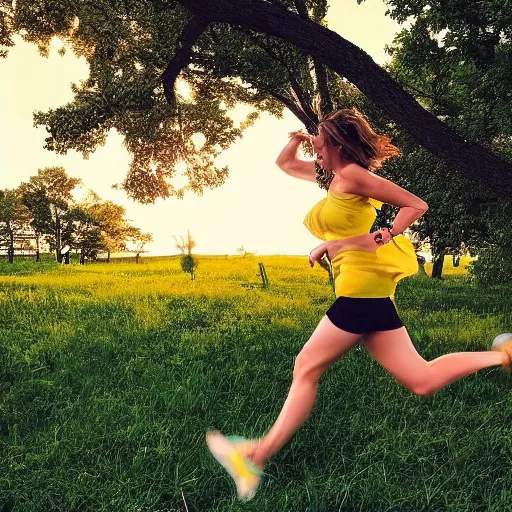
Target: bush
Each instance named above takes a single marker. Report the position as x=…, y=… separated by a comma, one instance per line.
x=493, y=266
x=188, y=263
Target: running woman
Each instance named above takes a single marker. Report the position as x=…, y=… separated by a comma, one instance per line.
x=366, y=267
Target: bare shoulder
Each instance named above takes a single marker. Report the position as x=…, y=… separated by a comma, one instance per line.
x=349, y=177
x=358, y=180
x=354, y=172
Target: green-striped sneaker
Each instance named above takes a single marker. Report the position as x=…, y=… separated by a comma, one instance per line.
x=228, y=452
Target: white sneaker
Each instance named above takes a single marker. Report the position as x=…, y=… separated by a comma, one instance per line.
x=503, y=343
x=246, y=476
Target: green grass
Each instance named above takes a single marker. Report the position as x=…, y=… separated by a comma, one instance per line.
x=110, y=376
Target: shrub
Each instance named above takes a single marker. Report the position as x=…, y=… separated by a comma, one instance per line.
x=493, y=266
x=189, y=263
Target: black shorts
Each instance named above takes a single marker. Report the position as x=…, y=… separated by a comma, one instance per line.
x=364, y=315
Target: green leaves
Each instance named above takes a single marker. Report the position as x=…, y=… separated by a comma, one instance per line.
x=14, y=218
x=127, y=46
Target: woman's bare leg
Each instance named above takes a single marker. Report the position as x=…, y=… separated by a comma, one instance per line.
x=396, y=353
x=327, y=344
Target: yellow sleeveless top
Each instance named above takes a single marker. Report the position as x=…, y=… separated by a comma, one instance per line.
x=359, y=273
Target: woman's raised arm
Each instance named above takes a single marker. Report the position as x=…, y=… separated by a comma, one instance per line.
x=290, y=164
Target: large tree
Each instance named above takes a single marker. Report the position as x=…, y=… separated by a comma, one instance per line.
x=270, y=54
x=50, y=193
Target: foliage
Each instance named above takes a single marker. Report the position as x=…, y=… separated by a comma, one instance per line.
x=83, y=233
x=89, y=226
x=455, y=59
x=50, y=195
x=140, y=239
x=14, y=218
x=128, y=46
x=37, y=202
x=188, y=263
x=493, y=267
x=112, y=223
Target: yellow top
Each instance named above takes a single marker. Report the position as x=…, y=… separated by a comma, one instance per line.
x=359, y=273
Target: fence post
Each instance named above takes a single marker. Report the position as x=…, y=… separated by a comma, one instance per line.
x=263, y=273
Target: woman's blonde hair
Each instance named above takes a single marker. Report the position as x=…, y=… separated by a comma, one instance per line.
x=351, y=130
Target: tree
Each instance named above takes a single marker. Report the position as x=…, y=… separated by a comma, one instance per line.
x=82, y=233
x=37, y=202
x=464, y=81
x=188, y=262
x=140, y=239
x=270, y=55
x=185, y=246
x=115, y=228
x=50, y=195
x=14, y=218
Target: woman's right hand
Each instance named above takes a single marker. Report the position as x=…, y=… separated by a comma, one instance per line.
x=303, y=137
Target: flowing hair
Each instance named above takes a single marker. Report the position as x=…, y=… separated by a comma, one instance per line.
x=351, y=130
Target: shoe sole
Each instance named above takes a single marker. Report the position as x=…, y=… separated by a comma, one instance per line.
x=500, y=339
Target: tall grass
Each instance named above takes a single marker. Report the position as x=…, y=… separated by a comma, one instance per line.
x=110, y=376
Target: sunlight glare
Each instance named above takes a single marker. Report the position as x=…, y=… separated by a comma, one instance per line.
x=198, y=139
x=183, y=89
x=180, y=179
x=57, y=43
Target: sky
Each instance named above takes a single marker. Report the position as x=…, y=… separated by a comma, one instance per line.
x=259, y=207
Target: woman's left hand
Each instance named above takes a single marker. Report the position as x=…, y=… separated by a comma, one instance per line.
x=316, y=256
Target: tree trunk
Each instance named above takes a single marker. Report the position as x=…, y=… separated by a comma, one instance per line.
x=66, y=258
x=82, y=256
x=472, y=160
x=137, y=258
x=10, y=251
x=108, y=256
x=438, y=259
x=38, y=255
x=58, y=239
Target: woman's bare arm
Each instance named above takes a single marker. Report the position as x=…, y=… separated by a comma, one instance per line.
x=290, y=164
x=359, y=181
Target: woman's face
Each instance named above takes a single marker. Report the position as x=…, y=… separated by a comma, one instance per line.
x=325, y=155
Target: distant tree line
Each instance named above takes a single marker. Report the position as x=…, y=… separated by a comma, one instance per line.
x=45, y=206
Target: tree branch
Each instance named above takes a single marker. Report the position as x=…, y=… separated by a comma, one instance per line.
x=325, y=107
x=192, y=32
x=295, y=110
x=474, y=161
x=297, y=90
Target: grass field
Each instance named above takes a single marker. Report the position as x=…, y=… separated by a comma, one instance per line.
x=110, y=375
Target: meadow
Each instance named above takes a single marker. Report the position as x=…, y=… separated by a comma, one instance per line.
x=111, y=374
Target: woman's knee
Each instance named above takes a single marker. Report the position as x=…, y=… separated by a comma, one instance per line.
x=422, y=386
x=306, y=369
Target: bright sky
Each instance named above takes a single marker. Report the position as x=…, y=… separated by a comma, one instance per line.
x=259, y=207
